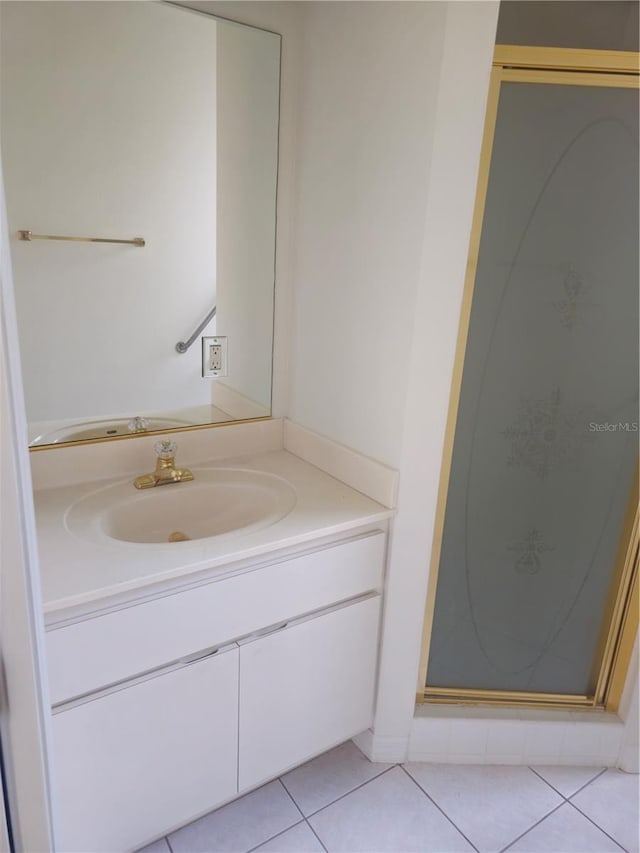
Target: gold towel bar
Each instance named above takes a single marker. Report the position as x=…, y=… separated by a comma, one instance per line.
x=27, y=235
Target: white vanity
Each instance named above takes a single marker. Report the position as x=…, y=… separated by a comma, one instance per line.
x=184, y=673
x=205, y=636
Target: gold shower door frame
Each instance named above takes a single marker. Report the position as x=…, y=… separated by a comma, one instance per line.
x=567, y=67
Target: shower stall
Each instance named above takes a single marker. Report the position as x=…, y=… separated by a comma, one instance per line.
x=533, y=595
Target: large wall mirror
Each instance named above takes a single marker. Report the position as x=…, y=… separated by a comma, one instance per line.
x=150, y=124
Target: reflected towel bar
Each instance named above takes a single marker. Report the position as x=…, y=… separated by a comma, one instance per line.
x=28, y=235
x=183, y=346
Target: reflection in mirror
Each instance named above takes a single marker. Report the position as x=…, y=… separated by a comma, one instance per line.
x=139, y=120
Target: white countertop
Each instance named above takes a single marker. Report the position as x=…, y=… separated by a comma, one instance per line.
x=76, y=571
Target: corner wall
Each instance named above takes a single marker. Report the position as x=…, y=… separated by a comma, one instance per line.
x=463, y=85
x=389, y=150
x=367, y=110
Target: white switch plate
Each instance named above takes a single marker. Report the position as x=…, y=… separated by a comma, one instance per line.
x=214, y=357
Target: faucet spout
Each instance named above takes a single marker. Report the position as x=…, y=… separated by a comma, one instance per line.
x=166, y=471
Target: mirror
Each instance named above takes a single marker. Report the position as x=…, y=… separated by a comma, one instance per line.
x=152, y=123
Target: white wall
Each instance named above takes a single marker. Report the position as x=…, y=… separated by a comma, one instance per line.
x=390, y=141
x=248, y=76
x=143, y=167
x=355, y=222
x=369, y=85
x=462, y=92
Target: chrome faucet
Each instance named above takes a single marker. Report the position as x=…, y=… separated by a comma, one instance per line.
x=166, y=471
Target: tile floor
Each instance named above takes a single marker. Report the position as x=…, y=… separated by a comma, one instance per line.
x=342, y=802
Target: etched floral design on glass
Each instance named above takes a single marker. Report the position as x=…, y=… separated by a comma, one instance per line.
x=530, y=550
x=573, y=295
x=548, y=434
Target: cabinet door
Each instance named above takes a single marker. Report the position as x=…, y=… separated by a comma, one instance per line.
x=140, y=760
x=305, y=688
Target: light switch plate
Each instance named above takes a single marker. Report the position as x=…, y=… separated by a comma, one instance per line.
x=214, y=357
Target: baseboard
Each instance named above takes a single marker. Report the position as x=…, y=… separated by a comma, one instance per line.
x=444, y=735
x=387, y=750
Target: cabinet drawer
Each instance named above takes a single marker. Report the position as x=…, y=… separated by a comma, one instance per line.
x=103, y=650
x=140, y=760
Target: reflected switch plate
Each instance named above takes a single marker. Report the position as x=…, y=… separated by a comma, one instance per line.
x=214, y=357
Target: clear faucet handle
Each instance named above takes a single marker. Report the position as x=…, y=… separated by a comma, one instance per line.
x=165, y=448
x=138, y=424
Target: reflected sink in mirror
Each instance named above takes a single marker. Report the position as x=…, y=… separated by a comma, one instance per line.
x=108, y=428
x=217, y=502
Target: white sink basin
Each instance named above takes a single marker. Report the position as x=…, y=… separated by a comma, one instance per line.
x=219, y=501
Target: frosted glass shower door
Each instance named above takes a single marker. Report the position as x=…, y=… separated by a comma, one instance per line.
x=546, y=437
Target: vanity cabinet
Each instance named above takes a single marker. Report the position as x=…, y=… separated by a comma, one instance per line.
x=167, y=708
x=306, y=687
x=151, y=754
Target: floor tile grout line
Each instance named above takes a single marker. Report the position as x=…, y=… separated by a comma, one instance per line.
x=547, y=782
x=579, y=810
x=346, y=794
x=277, y=835
x=537, y=823
x=586, y=785
x=304, y=817
x=289, y=794
x=577, y=791
x=441, y=810
x=320, y=841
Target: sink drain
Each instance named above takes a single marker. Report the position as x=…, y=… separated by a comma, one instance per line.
x=178, y=536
